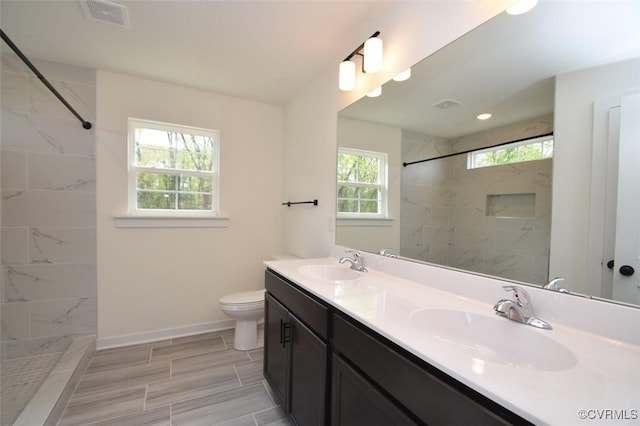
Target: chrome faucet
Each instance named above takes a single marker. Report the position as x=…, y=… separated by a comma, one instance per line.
x=519, y=308
x=553, y=285
x=386, y=252
x=357, y=261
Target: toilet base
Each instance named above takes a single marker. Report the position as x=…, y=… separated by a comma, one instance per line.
x=246, y=335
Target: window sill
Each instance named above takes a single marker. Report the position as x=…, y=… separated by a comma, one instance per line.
x=171, y=222
x=344, y=221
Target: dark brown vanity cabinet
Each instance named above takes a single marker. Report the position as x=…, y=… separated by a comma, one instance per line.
x=295, y=353
x=330, y=369
x=355, y=401
x=430, y=396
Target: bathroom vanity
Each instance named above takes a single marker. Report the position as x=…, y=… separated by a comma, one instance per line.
x=346, y=347
x=363, y=376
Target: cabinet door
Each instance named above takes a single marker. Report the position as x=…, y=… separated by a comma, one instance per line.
x=308, y=376
x=276, y=349
x=424, y=391
x=355, y=402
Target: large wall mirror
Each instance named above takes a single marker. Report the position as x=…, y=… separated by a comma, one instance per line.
x=452, y=193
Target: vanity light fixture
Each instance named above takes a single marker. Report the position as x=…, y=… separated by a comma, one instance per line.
x=522, y=6
x=371, y=62
x=484, y=116
x=375, y=92
x=404, y=75
x=347, y=76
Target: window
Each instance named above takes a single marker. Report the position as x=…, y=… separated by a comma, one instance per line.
x=362, y=183
x=173, y=170
x=527, y=150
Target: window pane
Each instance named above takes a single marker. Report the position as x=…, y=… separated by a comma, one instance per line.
x=194, y=161
x=155, y=157
x=156, y=181
x=347, y=206
x=194, y=201
x=154, y=138
x=531, y=149
x=484, y=159
x=195, y=184
x=369, y=207
x=347, y=160
x=368, y=176
x=360, y=182
x=346, y=174
x=166, y=149
x=369, y=193
x=530, y=152
x=347, y=192
x=156, y=200
x=195, y=143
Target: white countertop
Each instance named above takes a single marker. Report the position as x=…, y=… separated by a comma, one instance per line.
x=596, y=379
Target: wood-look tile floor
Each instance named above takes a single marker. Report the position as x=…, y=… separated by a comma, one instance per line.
x=194, y=380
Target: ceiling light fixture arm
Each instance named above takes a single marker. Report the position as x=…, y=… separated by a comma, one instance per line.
x=359, y=49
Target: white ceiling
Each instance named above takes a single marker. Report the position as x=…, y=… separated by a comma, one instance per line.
x=260, y=50
x=506, y=67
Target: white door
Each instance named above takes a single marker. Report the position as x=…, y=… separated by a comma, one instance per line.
x=626, y=269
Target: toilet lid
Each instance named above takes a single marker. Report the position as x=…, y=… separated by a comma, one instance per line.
x=243, y=297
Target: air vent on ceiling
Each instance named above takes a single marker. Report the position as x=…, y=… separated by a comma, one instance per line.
x=446, y=104
x=106, y=12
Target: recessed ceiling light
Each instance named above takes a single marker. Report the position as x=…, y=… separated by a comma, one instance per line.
x=404, y=75
x=523, y=6
x=484, y=116
x=375, y=92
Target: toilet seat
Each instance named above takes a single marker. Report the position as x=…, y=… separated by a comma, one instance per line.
x=247, y=299
x=238, y=307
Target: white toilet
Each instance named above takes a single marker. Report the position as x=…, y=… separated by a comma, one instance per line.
x=246, y=307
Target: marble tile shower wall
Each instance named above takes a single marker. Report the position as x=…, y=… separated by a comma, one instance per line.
x=48, y=209
x=444, y=206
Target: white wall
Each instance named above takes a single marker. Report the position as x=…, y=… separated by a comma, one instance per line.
x=411, y=31
x=153, y=281
x=374, y=137
x=575, y=96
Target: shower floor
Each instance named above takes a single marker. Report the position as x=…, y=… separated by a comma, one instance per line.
x=21, y=379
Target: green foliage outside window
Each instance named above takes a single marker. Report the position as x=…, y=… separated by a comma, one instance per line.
x=532, y=149
x=174, y=170
x=360, y=181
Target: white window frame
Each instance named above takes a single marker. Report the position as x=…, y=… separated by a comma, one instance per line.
x=382, y=186
x=161, y=217
x=472, y=156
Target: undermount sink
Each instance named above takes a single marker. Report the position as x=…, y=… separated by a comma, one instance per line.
x=494, y=339
x=329, y=272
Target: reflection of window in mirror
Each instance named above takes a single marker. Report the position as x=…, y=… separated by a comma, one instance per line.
x=362, y=184
x=516, y=152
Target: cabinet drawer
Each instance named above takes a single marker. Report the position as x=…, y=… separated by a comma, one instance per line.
x=427, y=396
x=314, y=314
x=356, y=402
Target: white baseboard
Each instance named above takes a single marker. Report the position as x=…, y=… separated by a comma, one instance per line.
x=168, y=333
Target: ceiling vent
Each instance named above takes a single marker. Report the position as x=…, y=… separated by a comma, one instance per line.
x=106, y=12
x=446, y=104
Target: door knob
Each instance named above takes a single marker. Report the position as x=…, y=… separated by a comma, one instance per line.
x=627, y=270
x=610, y=264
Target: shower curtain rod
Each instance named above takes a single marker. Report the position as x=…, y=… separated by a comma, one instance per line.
x=85, y=124
x=477, y=149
